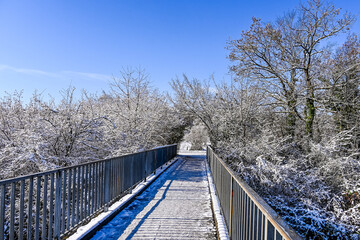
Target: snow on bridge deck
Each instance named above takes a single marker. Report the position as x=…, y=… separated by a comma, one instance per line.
x=176, y=206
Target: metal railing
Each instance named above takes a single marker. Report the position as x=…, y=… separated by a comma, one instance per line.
x=246, y=214
x=48, y=205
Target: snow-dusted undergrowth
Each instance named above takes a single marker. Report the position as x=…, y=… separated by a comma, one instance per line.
x=317, y=193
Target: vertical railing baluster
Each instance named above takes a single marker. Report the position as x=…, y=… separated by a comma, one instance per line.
x=74, y=191
x=43, y=231
x=118, y=173
x=247, y=217
x=86, y=180
x=107, y=183
x=58, y=187
x=131, y=173
x=259, y=225
x=243, y=197
x=78, y=190
x=82, y=193
x=114, y=180
x=69, y=203
x=12, y=210
x=89, y=190
x=110, y=183
x=22, y=208
x=93, y=188
x=63, y=206
x=97, y=179
x=255, y=221
x=37, y=215
x=155, y=159
x=51, y=205
x=231, y=206
x=146, y=165
x=30, y=205
x=101, y=186
x=265, y=228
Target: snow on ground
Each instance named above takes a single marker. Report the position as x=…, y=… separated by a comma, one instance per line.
x=176, y=206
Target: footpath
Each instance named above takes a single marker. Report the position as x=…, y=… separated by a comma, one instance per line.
x=176, y=206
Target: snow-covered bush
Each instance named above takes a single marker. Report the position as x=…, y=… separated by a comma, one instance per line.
x=197, y=136
x=43, y=135
x=316, y=193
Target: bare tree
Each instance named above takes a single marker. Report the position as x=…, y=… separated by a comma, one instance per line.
x=283, y=57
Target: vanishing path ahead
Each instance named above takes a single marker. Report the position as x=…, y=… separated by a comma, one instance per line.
x=176, y=206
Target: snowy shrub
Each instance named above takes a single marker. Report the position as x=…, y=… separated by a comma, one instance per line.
x=316, y=193
x=43, y=135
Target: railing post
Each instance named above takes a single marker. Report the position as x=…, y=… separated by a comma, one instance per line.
x=207, y=154
x=162, y=158
x=167, y=155
x=231, y=206
x=107, y=185
x=155, y=163
x=57, y=205
x=132, y=173
x=30, y=203
x=145, y=165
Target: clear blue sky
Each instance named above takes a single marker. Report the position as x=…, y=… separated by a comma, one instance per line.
x=48, y=45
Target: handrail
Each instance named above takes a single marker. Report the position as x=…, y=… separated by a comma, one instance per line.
x=53, y=203
x=246, y=214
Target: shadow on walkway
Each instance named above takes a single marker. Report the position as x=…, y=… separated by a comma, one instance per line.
x=181, y=172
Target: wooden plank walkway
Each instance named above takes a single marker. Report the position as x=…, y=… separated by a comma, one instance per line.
x=176, y=206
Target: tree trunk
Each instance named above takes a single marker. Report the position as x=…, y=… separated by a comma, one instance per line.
x=309, y=106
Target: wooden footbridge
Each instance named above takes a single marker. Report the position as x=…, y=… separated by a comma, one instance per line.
x=155, y=194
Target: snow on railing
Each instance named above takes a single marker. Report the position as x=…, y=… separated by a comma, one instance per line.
x=246, y=214
x=49, y=205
